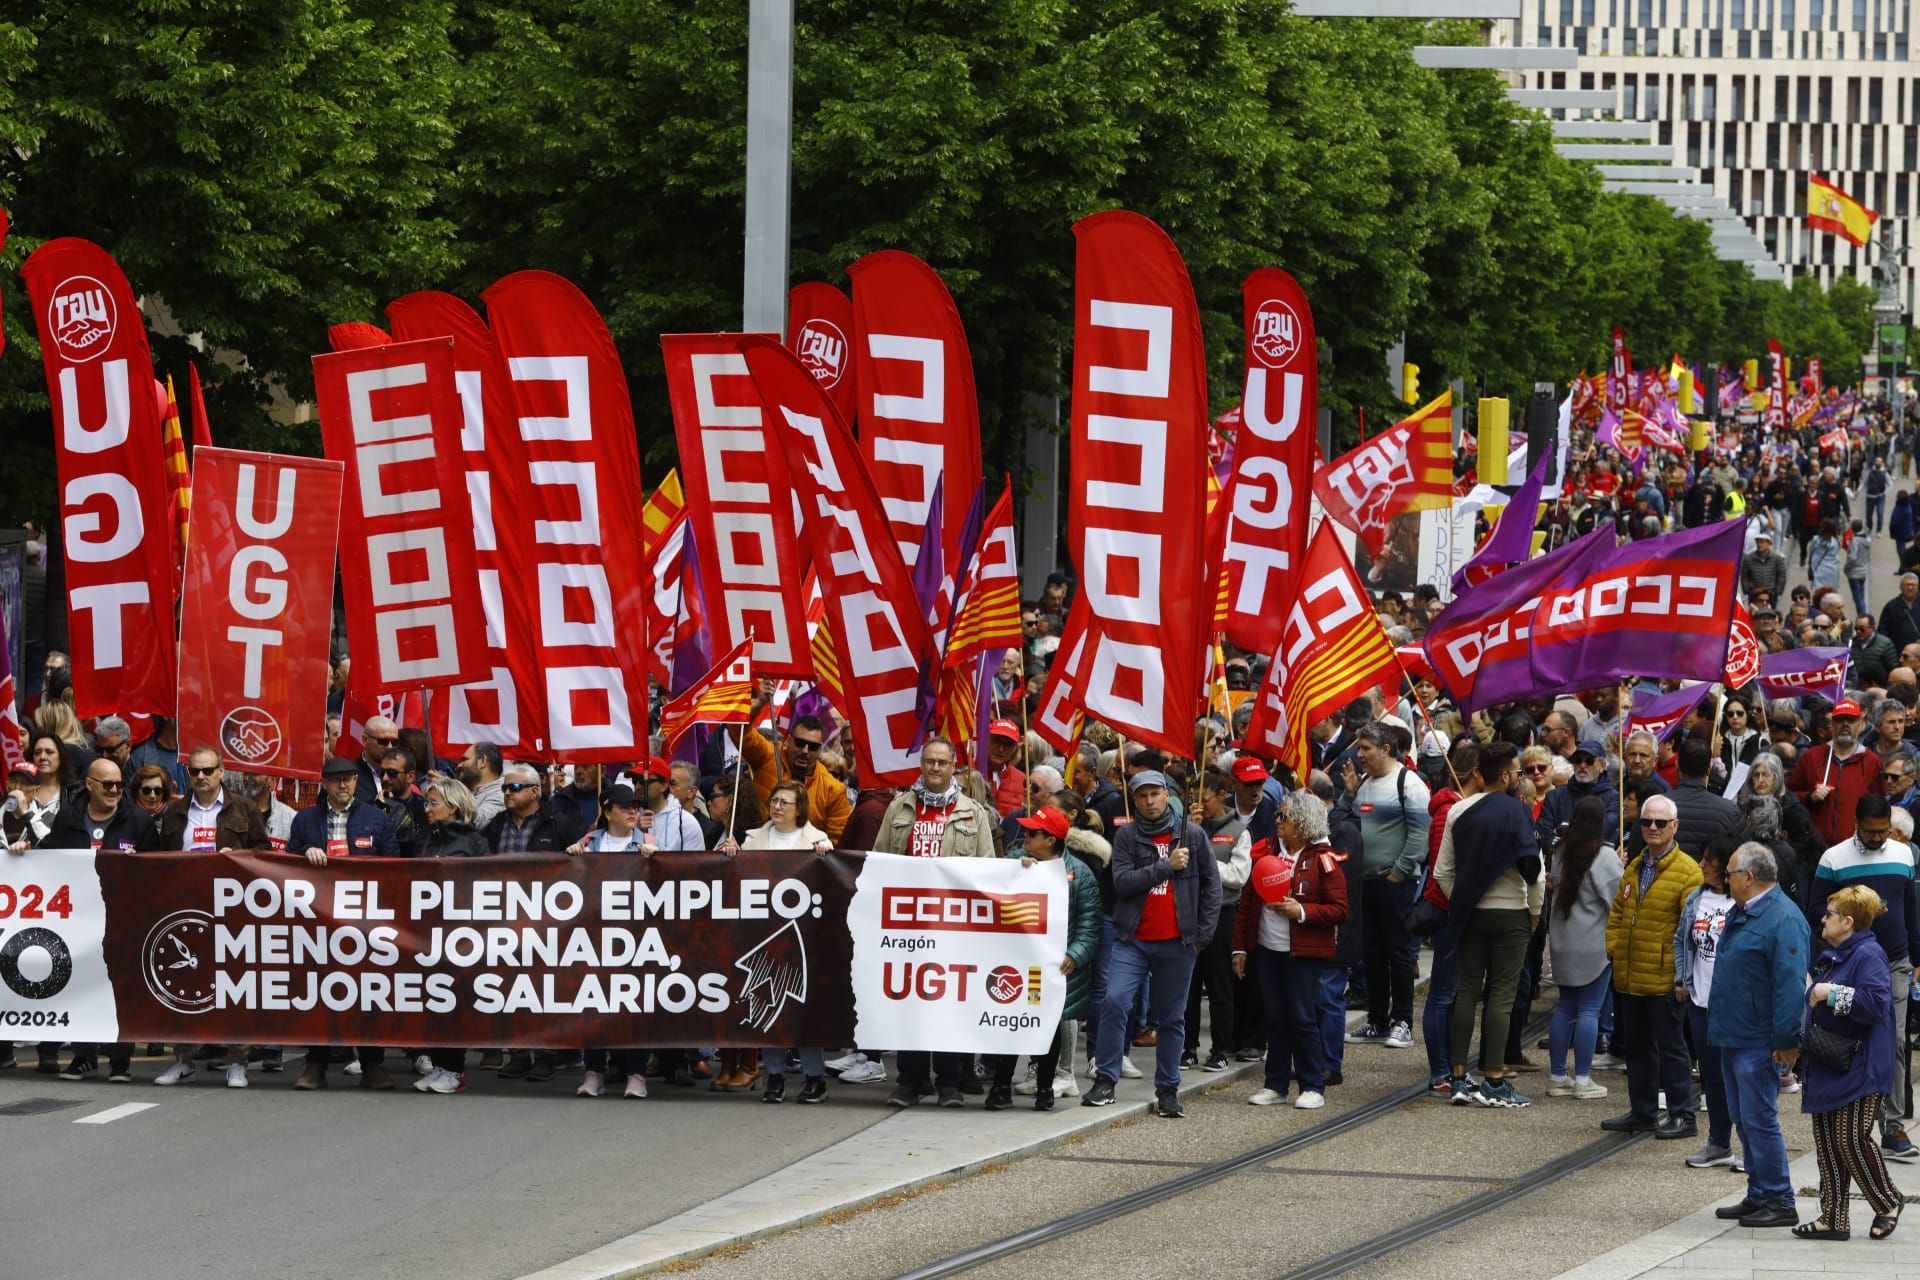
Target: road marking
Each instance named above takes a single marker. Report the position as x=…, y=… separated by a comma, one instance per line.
x=120, y=1112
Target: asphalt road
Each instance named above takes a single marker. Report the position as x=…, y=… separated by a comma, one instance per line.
x=498, y=1182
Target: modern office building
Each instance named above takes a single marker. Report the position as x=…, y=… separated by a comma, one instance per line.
x=1755, y=95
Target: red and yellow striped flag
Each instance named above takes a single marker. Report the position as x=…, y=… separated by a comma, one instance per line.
x=1831, y=209
x=667, y=502
x=1430, y=456
x=722, y=696
x=1216, y=549
x=173, y=443
x=988, y=616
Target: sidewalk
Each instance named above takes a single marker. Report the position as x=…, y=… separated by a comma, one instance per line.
x=1703, y=1247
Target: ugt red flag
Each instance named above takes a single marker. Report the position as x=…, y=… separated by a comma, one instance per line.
x=391, y=415
x=257, y=610
x=1408, y=467
x=116, y=505
x=576, y=437
x=739, y=507
x=507, y=706
x=1331, y=650
x=1272, y=458
x=1620, y=375
x=819, y=329
x=880, y=639
x=1138, y=495
x=919, y=414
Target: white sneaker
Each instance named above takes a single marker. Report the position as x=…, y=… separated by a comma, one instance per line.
x=1028, y=1086
x=1127, y=1070
x=1559, y=1086
x=868, y=1072
x=1588, y=1089
x=1266, y=1098
x=175, y=1074
x=1065, y=1087
x=237, y=1075
x=1399, y=1036
x=353, y=1068
x=637, y=1086
x=423, y=1065
x=1310, y=1100
x=1609, y=1062
x=847, y=1061
x=593, y=1086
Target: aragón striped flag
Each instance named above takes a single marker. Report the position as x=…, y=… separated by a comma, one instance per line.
x=1408, y=467
x=722, y=696
x=1831, y=209
x=1332, y=649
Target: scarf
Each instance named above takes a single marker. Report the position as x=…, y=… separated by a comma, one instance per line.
x=937, y=799
x=1156, y=826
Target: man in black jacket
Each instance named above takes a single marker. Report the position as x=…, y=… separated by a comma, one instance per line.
x=1705, y=815
x=104, y=822
x=529, y=824
x=1900, y=616
x=1763, y=569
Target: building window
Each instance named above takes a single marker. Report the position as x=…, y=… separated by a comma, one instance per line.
x=1740, y=96
x=1880, y=46
x=1874, y=101
x=1716, y=43
x=1653, y=97
x=1709, y=98
x=1803, y=93
x=1630, y=99
x=1913, y=148
x=1693, y=145
x=1766, y=44
x=1901, y=203
x=1826, y=99
x=1816, y=146
x=1780, y=98
x=1819, y=16
x=1853, y=100
x=1686, y=98
x=1866, y=148
x=1859, y=15
x=1786, y=13
x=1773, y=146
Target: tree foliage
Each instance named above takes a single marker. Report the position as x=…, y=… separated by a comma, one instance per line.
x=262, y=171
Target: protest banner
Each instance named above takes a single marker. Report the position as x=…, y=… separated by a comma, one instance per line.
x=954, y=954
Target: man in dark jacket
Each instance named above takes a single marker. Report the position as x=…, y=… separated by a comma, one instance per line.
x=1705, y=815
x=1900, y=616
x=1874, y=656
x=203, y=819
x=529, y=824
x=1763, y=569
x=102, y=821
x=1589, y=779
x=1166, y=903
x=402, y=802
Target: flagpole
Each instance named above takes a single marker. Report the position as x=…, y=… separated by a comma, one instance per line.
x=1126, y=791
x=1620, y=810
x=1847, y=667
x=1413, y=695
x=1220, y=670
x=740, y=756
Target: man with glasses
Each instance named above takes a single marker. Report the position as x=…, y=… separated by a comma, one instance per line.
x=105, y=821
x=1831, y=777
x=1873, y=654
x=379, y=736
x=828, y=804
x=401, y=801
x=341, y=825
x=1640, y=929
x=1589, y=779
x=1897, y=782
x=1872, y=858
x=114, y=740
x=529, y=824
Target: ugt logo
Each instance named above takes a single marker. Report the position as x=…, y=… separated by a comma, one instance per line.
x=823, y=349
x=1276, y=334
x=80, y=318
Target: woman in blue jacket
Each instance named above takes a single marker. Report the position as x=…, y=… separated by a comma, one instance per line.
x=1851, y=997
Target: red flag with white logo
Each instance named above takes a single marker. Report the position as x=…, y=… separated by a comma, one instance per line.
x=1778, y=390
x=1743, y=649
x=1272, y=458
x=919, y=414
x=507, y=707
x=116, y=506
x=820, y=332
x=1137, y=499
x=255, y=620
x=391, y=415
x=1620, y=375
x=1331, y=650
x=575, y=435
x=880, y=641
x=739, y=503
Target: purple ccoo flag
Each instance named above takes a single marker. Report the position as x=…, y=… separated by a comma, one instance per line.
x=1799, y=672
x=1664, y=713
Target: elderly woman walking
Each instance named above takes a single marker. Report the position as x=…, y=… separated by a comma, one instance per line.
x=1848, y=1061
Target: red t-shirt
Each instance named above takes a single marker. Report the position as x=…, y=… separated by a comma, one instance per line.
x=929, y=830
x=1157, y=919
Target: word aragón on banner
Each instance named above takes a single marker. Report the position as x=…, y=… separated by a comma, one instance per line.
x=958, y=954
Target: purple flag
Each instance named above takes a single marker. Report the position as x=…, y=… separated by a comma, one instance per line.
x=1661, y=609
x=1511, y=541
x=930, y=567
x=1479, y=644
x=1799, y=672
x=1664, y=713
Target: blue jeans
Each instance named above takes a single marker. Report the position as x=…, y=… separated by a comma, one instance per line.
x=1290, y=991
x=632, y=1062
x=1712, y=1078
x=1165, y=969
x=1333, y=1015
x=1859, y=588
x=813, y=1062
x=1576, y=1022
x=912, y=1066
x=1102, y=965
x=1436, y=1019
x=1876, y=513
x=1753, y=1104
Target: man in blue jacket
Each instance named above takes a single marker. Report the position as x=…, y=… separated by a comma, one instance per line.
x=1759, y=989
x=341, y=825
x=1166, y=888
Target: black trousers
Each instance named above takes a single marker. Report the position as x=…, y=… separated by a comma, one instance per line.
x=1213, y=974
x=369, y=1055
x=1046, y=1066
x=1388, y=950
x=1656, y=1054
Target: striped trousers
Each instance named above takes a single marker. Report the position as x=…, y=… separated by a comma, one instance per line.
x=1843, y=1141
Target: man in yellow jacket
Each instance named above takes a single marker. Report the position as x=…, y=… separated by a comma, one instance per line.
x=828, y=805
x=1640, y=929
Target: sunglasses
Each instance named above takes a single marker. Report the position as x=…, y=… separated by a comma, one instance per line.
x=518, y=786
x=801, y=744
x=393, y=773
x=153, y=791
x=1658, y=822
x=109, y=786
x=1538, y=768
x=383, y=742
x=204, y=773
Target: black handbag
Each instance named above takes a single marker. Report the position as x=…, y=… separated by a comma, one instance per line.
x=1828, y=1048
x=1423, y=919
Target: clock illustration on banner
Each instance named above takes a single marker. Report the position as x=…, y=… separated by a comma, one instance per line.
x=178, y=961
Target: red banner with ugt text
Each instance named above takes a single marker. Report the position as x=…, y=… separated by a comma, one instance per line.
x=1138, y=494
x=506, y=706
x=116, y=506
x=820, y=332
x=575, y=436
x=919, y=414
x=392, y=416
x=257, y=612
x=1778, y=390
x=1272, y=459
x=739, y=504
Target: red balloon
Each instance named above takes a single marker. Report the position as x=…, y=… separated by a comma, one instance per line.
x=1273, y=877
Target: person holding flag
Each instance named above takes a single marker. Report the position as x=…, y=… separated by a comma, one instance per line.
x=1831, y=777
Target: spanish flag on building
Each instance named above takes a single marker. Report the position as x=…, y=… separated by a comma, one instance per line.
x=1831, y=209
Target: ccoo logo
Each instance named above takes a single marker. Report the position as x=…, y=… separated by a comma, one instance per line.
x=823, y=349
x=250, y=734
x=1276, y=334
x=81, y=318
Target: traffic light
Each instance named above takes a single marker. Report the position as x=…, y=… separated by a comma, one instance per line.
x=1410, y=383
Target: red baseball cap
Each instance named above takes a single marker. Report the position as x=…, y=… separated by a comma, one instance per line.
x=658, y=767
x=1846, y=707
x=1051, y=821
x=1249, y=769
x=1004, y=729
x=25, y=767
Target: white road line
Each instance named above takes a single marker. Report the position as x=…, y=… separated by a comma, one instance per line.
x=120, y=1112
